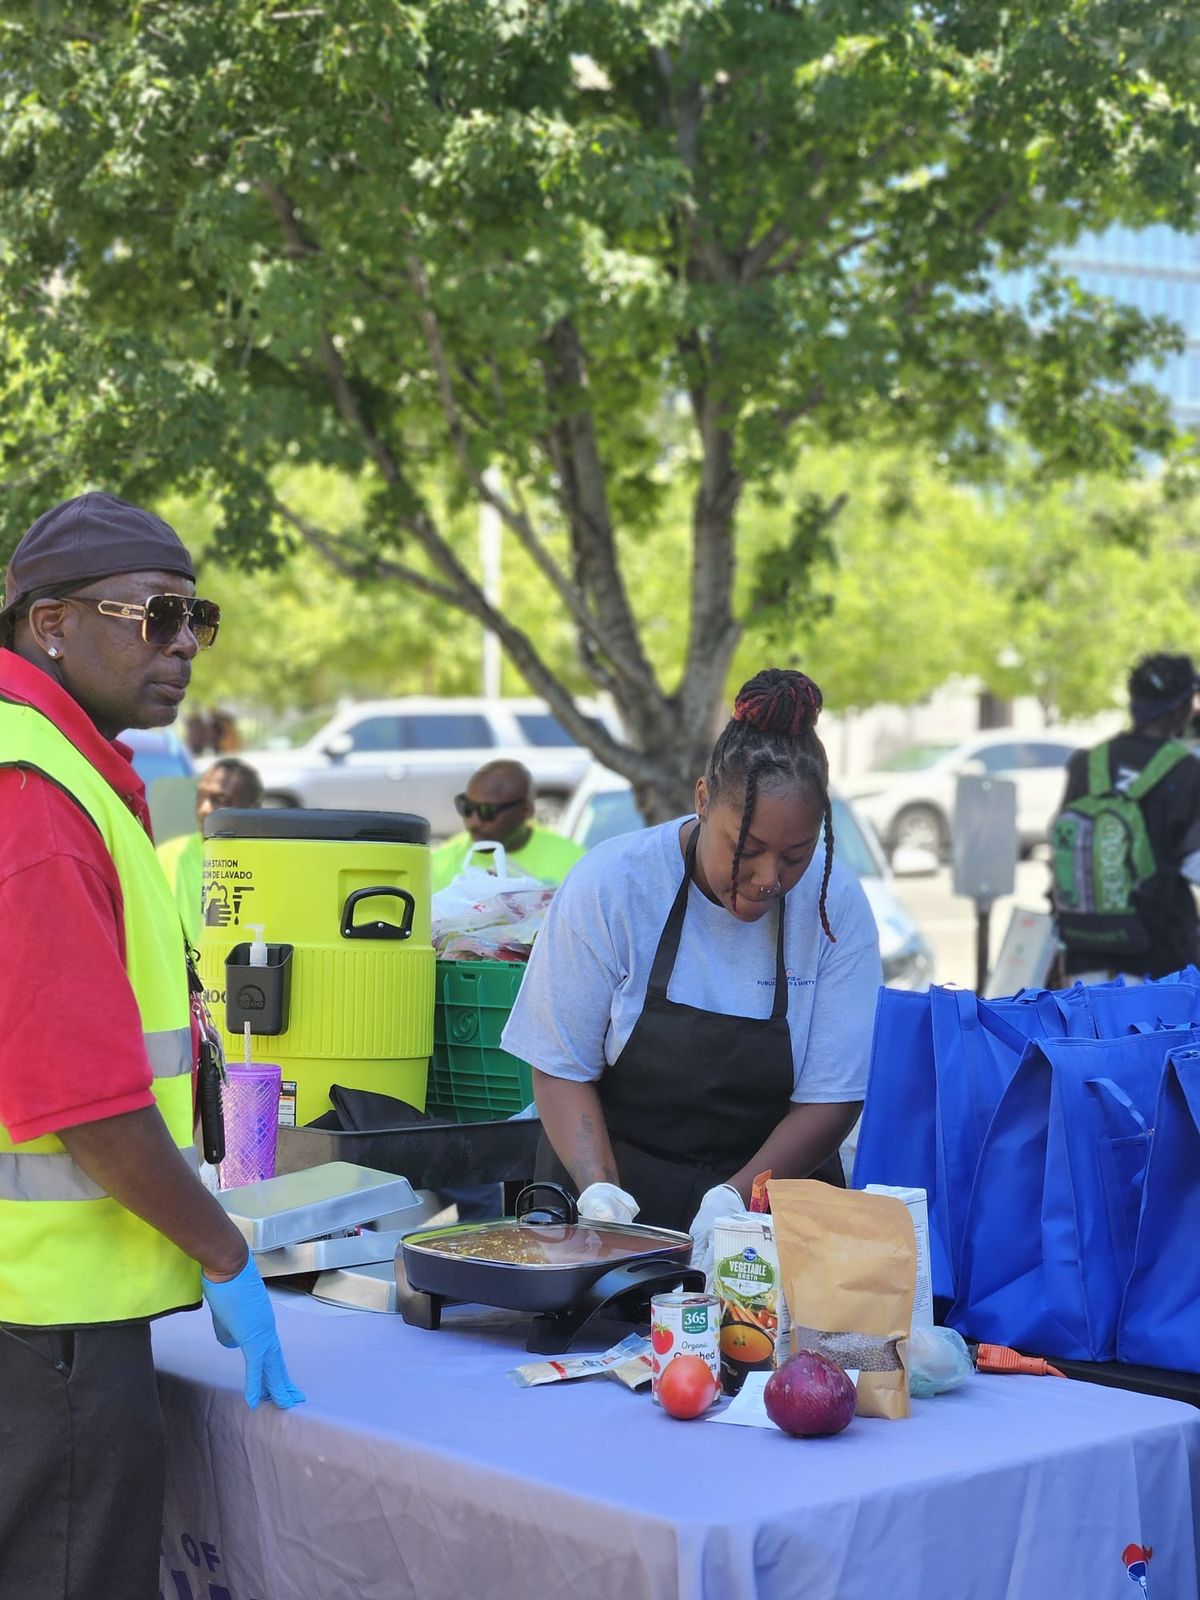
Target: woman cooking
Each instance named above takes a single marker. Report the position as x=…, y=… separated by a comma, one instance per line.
x=699, y=1003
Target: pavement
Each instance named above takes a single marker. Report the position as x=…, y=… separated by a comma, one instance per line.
x=948, y=921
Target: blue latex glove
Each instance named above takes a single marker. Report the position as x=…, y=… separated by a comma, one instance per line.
x=243, y=1319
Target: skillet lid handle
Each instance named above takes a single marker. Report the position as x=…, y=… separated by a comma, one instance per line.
x=546, y=1202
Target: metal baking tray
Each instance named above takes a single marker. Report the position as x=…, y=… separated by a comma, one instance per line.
x=308, y=1205
x=371, y=1287
x=323, y=1255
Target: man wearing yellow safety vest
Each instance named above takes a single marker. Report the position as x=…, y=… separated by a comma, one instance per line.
x=497, y=807
x=104, y=1223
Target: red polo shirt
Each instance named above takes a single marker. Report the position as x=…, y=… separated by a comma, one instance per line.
x=71, y=1047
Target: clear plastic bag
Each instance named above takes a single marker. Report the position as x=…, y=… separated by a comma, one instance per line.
x=938, y=1361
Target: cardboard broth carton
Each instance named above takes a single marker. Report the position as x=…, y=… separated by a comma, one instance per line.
x=918, y=1210
x=754, y=1334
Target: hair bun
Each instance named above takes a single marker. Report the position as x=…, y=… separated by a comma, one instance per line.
x=781, y=702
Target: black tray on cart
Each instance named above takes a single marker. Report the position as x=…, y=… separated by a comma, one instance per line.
x=431, y=1155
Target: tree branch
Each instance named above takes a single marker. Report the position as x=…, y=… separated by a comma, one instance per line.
x=777, y=235
x=514, y=516
x=685, y=102
x=575, y=452
x=356, y=562
x=713, y=632
x=297, y=242
x=921, y=291
x=459, y=589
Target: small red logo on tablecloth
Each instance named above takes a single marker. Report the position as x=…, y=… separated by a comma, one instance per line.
x=1137, y=1559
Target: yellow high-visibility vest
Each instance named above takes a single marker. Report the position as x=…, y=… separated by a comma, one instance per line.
x=69, y=1253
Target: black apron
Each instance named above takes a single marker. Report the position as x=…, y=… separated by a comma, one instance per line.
x=694, y=1093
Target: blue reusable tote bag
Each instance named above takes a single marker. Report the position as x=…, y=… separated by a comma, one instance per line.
x=939, y=1062
x=1053, y=1216
x=896, y=1137
x=976, y=1047
x=1160, y=1317
x=1117, y=1009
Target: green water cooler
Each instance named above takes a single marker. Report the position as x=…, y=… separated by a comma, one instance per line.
x=342, y=898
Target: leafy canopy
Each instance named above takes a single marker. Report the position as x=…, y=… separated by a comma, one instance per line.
x=552, y=236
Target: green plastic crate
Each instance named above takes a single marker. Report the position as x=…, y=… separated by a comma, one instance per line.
x=471, y=1079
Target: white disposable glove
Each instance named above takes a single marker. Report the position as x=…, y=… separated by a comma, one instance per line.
x=723, y=1201
x=604, y=1202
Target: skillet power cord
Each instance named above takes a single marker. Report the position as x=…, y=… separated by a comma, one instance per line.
x=1000, y=1358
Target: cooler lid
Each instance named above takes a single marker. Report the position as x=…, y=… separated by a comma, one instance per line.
x=286, y=822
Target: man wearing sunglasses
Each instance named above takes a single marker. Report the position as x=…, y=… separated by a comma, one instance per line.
x=104, y=1223
x=498, y=804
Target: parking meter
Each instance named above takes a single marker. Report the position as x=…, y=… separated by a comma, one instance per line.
x=984, y=853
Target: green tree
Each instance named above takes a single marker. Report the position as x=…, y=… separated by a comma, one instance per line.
x=1049, y=590
x=564, y=238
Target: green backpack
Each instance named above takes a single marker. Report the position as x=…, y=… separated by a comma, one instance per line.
x=1102, y=858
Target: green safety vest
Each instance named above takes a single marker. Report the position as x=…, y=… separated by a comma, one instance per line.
x=69, y=1253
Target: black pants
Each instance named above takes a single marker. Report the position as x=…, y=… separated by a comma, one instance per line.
x=82, y=1454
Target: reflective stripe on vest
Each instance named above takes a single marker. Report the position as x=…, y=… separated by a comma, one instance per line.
x=69, y=1253
x=54, y=1177
x=170, y=1052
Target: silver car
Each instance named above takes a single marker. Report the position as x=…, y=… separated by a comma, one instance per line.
x=910, y=799
x=603, y=807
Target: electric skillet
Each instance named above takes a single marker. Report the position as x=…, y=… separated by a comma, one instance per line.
x=543, y=1260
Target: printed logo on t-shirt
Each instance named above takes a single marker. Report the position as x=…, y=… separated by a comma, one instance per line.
x=795, y=981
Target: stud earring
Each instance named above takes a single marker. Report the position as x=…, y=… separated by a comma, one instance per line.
x=53, y=651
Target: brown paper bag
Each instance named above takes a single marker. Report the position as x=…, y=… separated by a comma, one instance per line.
x=849, y=1266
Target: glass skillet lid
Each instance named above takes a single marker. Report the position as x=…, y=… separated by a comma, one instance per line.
x=546, y=1236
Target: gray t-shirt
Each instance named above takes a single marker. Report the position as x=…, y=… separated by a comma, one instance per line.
x=587, y=977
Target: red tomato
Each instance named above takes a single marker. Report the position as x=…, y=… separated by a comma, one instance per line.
x=662, y=1338
x=686, y=1387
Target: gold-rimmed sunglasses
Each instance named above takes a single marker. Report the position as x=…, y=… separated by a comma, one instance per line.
x=162, y=616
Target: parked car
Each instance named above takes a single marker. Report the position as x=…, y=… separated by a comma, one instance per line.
x=603, y=807
x=161, y=760
x=416, y=754
x=910, y=799
x=158, y=753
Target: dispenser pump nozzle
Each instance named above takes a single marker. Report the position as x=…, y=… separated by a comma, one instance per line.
x=258, y=950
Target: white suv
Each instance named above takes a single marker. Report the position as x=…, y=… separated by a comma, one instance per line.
x=416, y=754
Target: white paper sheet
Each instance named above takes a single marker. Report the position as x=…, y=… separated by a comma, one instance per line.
x=747, y=1407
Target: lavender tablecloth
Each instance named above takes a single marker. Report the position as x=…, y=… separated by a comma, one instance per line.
x=416, y=1468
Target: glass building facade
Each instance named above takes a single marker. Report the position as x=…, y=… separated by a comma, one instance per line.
x=1155, y=269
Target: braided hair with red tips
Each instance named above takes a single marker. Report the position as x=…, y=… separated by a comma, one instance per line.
x=770, y=740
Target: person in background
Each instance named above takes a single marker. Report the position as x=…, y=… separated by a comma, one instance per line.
x=223, y=730
x=1162, y=701
x=698, y=1006
x=498, y=805
x=104, y=1222
x=228, y=782
x=197, y=734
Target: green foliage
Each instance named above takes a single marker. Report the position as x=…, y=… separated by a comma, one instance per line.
x=1030, y=590
x=404, y=242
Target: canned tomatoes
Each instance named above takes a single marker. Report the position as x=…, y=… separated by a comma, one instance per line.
x=684, y=1325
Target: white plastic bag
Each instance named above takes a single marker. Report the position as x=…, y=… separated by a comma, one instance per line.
x=477, y=901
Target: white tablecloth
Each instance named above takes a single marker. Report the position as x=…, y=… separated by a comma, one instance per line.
x=417, y=1468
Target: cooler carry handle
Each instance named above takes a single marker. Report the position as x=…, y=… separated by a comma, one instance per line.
x=378, y=930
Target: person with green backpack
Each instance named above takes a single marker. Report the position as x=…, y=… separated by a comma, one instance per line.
x=1125, y=846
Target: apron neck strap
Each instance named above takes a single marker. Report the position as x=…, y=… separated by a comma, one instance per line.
x=668, y=944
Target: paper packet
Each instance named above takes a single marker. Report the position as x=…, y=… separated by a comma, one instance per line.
x=556, y=1369
x=848, y=1262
